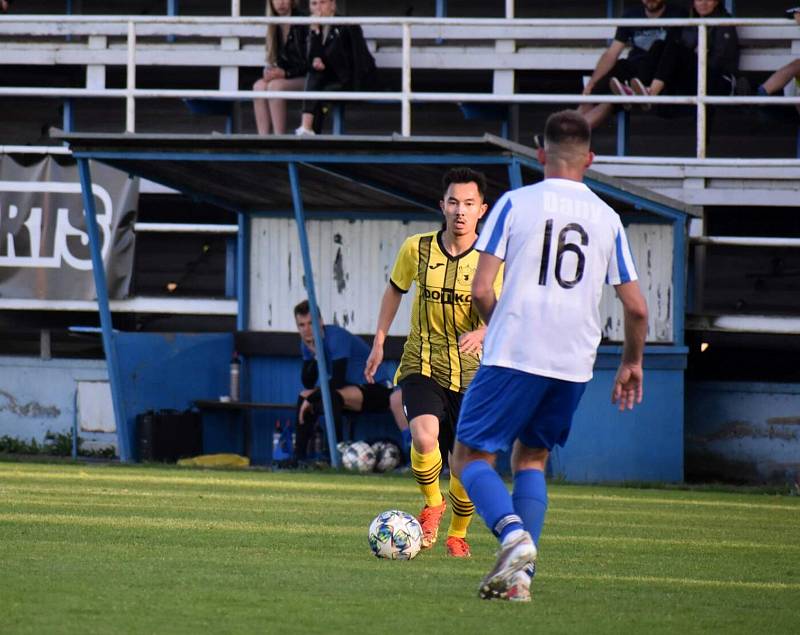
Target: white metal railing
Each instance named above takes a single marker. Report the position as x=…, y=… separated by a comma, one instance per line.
x=134, y=27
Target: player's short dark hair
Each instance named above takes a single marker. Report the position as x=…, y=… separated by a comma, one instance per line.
x=567, y=127
x=464, y=175
x=304, y=308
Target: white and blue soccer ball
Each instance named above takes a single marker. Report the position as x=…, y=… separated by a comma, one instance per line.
x=395, y=535
x=359, y=457
x=387, y=456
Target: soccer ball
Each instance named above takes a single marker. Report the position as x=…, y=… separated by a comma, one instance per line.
x=359, y=457
x=395, y=535
x=387, y=456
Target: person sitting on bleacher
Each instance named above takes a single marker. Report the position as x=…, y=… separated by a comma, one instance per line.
x=338, y=60
x=646, y=43
x=346, y=356
x=781, y=78
x=677, y=66
x=285, y=69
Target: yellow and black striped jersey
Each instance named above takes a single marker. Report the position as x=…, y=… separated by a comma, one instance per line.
x=442, y=310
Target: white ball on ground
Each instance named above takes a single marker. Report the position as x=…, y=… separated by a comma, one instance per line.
x=395, y=535
x=359, y=457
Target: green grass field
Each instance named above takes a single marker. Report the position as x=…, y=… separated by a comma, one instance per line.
x=111, y=549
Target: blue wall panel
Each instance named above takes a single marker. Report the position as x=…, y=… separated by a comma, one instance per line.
x=277, y=380
x=645, y=444
x=169, y=371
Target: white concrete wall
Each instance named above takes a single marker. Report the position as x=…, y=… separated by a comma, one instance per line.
x=352, y=262
x=39, y=396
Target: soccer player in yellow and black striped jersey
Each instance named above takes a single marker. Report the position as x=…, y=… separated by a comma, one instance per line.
x=442, y=352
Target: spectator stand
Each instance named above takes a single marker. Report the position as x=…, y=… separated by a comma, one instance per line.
x=391, y=173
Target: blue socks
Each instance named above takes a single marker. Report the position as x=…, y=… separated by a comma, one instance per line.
x=530, y=501
x=761, y=91
x=491, y=498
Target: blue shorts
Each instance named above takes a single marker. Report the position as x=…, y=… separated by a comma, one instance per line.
x=503, y=404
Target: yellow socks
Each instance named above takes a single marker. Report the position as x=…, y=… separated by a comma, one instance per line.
x=463, y=509
x=426, y=469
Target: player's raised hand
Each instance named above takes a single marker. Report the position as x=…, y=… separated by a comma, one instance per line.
x=628, y=384
x=472, y=341
x=373, y=361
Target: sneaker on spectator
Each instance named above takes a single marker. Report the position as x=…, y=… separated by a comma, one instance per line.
x=638, y=87
x=623, y=90
x=304, y=132
x=514, y=557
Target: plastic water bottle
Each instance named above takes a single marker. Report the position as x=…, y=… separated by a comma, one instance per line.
x=236, y=365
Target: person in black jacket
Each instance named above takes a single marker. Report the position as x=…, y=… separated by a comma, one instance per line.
x=338, y=59
x=285, y=69
x=677, y=66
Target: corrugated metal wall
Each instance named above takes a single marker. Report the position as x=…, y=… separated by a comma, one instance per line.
x=352, y=261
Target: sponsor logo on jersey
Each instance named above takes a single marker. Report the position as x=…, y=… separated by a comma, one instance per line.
x=447, y=296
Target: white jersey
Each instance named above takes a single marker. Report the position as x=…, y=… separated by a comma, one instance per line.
x=560, y=243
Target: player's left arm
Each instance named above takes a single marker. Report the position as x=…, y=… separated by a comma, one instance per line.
x=628, y=383
x=483, y=293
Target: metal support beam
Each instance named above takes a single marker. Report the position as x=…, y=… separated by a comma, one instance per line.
x=515, y=175
x=101, y=288
x=322, y=361
x=243, y=273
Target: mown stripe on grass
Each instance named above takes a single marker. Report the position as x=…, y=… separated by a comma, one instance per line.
x=171, y=522
x=692, y=582
x=671, y=501
x=205, y=479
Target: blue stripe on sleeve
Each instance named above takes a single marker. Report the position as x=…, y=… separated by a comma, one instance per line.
x=622, y=267
x=497, y=230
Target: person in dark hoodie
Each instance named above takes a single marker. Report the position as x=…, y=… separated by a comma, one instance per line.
x=338, y=59
x=676, y=71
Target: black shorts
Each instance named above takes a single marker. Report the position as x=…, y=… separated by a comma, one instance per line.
x=423, y=396
x=376, y=397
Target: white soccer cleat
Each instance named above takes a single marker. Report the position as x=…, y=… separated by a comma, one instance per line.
x=502, y=582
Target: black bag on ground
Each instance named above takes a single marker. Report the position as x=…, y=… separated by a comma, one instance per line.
x=168, y=435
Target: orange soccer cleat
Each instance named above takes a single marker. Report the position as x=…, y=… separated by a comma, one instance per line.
x=457, y=547
x=429, y=518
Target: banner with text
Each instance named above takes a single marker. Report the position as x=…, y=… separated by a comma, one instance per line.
x=44, y=247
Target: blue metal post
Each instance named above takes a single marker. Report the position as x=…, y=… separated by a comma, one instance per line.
x=75, y=428
x=230, y=267
x=678, y=280
x=515, y=175
x=68, y=116
x=172, y=10
x=622, y=133
x=243, y=273
x=101, y=288
x=322, y=362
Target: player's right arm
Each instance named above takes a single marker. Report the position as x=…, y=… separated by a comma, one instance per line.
x=604, y=64
x=627, y=389
x=389, y=305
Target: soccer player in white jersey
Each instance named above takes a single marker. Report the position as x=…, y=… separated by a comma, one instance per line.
x=560, y=244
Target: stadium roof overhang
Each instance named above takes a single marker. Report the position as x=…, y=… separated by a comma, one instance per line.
x=347, y=175
x=324, y=176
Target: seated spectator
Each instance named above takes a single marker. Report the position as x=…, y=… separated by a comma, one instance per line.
x=285, y=69
x=346, y=355
x=677, y=65
x=781, y=78
x=647, y=43
x=338, y=59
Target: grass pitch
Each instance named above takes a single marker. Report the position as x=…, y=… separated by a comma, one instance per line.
x=111, y=549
